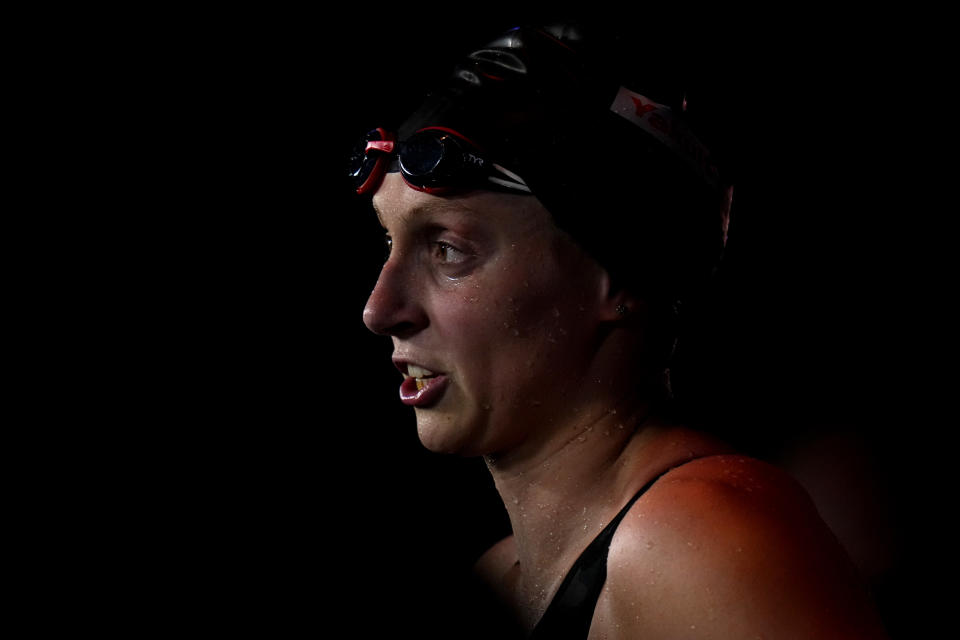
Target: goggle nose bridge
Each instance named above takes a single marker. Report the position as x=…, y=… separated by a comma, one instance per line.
x=386, y=146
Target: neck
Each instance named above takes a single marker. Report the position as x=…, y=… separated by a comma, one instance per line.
x=561, y=498
x=567, y=492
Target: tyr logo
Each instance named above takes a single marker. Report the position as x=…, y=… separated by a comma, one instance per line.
x=641, y=107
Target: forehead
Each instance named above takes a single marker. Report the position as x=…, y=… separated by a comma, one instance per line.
x=397, y=204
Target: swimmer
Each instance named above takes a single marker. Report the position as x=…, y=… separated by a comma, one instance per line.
x=546, y=218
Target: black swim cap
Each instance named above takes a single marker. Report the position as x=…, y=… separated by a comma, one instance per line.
x=603, y=142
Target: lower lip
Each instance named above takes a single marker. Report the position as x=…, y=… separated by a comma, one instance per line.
x=431, y=392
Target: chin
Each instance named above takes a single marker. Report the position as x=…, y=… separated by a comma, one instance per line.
x=441, y=433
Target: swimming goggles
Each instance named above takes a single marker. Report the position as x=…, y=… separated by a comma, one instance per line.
x=434, y=159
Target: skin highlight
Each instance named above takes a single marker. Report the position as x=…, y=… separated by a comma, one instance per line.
x=485, y=289
x=552, y=385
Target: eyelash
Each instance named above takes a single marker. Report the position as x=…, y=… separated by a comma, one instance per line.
x=442, y=249
x=443, y=254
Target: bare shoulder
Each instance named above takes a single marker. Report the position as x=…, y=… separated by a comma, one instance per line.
x=729, y=546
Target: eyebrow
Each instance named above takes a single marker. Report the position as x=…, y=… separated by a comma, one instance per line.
x=438, y=206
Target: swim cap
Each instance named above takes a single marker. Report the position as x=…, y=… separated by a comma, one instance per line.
x=601, y=141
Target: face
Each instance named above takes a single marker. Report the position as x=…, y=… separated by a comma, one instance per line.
x=491, y=306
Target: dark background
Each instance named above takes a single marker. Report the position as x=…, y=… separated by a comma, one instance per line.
x=250, y=466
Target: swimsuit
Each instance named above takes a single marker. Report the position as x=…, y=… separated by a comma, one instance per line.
x=571, y=610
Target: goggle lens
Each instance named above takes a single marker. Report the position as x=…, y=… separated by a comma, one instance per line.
x=434, y=160
x=421, y=156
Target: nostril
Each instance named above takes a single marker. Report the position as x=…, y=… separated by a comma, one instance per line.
x=402, y=329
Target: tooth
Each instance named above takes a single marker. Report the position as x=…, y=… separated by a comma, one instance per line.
x=419, y=384
x=418, y=372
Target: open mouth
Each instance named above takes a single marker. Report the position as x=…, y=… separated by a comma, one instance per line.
x=420, y=375
x=421, y=387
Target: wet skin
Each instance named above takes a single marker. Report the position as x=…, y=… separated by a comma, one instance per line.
x=486, y=291
x=533, y=369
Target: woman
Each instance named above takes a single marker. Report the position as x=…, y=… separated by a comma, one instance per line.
x=547, y=216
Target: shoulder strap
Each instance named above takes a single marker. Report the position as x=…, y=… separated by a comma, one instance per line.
x=571, y=610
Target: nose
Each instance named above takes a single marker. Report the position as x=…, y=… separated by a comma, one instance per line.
x=394, y=307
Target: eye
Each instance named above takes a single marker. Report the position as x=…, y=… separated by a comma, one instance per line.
x=447, y=253
x=387, y=247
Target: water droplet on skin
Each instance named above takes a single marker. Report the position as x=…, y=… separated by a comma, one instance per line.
x=620, y=425
x=649, y=545
x=516, y=333
x=556, y=312
x=516, y=500
x=606, y=432
x=581, y=439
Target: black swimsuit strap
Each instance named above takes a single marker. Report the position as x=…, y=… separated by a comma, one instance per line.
x=571, y=610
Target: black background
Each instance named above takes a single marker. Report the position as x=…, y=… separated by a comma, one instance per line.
x=247, y=464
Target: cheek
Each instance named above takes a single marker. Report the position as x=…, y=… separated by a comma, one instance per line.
x=517, y=330
x=514, y=322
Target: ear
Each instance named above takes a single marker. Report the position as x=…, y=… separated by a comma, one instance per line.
x=617, y=304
